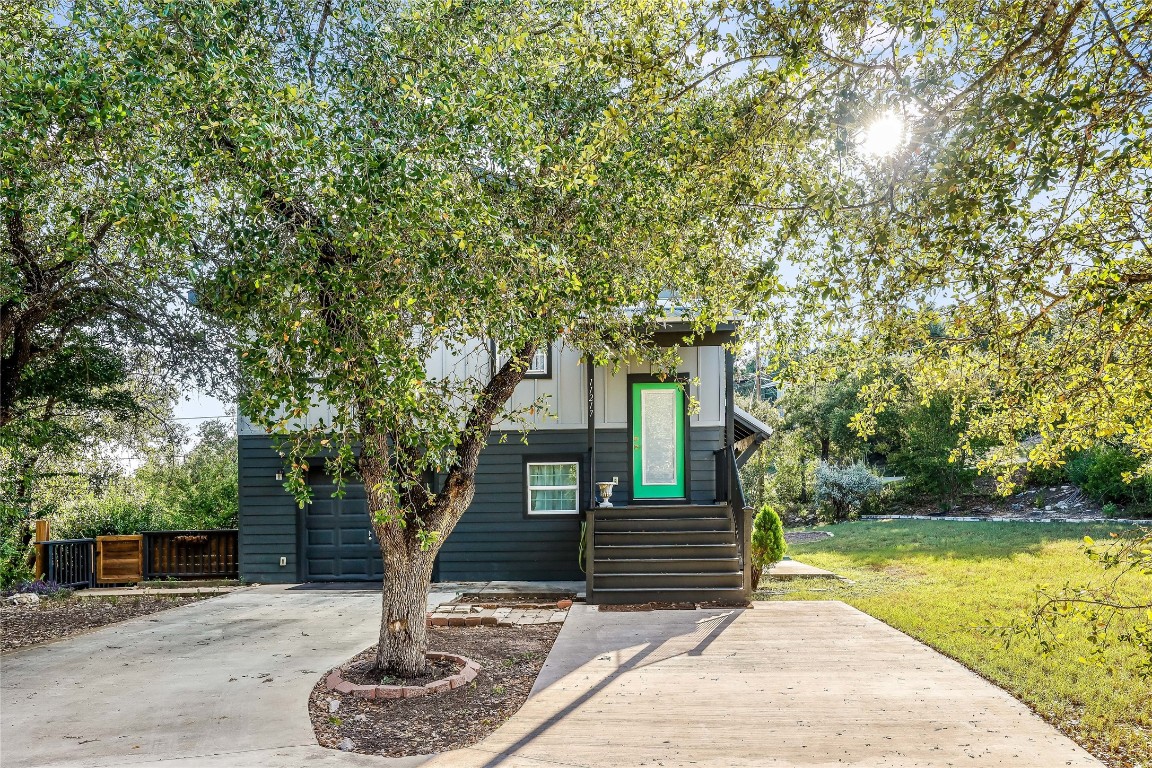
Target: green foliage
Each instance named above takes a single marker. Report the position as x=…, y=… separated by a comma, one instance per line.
x=200, y=492
x=821, y=412
x=929, y=455
x=1105, y=472
x=794, y=479
x=768, y=545
x=94, y=232
x=1057, y=474
x=1001, y=247
x=15, y=536
x=945, y=582
x=1100, y=609
x=845, y=489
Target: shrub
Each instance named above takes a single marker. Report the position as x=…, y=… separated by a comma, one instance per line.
x=768, y=545
x=39, y=587
x=14, y=550
x=845, y=489
x=1099, y=472
x=1054, y=475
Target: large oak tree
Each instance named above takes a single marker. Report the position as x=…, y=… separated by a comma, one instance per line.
x=378, y=181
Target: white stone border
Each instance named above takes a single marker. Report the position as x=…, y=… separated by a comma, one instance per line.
x=1124, y=520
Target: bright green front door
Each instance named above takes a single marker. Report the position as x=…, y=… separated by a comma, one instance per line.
x=657, y=441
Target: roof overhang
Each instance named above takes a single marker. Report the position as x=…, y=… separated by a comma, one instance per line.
x=749, y=432
x=680, y=333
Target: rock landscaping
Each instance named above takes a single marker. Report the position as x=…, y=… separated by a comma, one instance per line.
x=40, y=621
x=506, y=658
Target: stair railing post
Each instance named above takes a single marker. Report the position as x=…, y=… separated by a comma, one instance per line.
x=590, y=554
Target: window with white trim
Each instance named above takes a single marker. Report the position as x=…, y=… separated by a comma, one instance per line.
x=539, y=367
x=539, y=364
x=553, y=487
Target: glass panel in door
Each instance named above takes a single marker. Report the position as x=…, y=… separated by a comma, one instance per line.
x=657, y=441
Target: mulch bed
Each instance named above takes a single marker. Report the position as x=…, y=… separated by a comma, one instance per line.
x=58, y=617
x=633, y=607
x=510, y=658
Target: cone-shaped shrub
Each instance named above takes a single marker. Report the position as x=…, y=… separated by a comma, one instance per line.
x=768, y=545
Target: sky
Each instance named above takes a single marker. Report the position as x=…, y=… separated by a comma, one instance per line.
x=195, y=407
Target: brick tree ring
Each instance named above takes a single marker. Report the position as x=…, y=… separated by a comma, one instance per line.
x=468, y=670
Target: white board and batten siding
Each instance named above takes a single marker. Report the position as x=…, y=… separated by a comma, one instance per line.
x=565, y=392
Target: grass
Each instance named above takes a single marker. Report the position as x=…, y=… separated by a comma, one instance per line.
x=945, y=583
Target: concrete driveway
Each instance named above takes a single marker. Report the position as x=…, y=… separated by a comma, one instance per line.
x=228, y=677
x=225, y=683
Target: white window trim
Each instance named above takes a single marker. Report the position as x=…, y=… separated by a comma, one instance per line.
x=541, y=356
x=528, y=474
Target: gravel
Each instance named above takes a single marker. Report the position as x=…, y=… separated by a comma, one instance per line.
x=58, y=617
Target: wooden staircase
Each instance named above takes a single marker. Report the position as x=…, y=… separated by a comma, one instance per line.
x=664, y=553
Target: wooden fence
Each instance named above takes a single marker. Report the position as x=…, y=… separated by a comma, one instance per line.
x=192, y=554
x=119, y=559
x=184, y=555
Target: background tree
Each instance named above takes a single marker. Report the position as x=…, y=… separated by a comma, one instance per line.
x=984, y=210
x=94, y=316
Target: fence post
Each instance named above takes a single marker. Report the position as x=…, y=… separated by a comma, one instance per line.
x=42, y=535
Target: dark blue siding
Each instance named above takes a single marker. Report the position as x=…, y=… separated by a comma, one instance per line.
x=267, y=514
x=495, y=539
x=614, y=459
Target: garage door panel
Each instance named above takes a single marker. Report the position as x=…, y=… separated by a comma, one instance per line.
x=338, y=542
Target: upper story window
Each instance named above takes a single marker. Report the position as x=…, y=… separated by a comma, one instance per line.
x=539, y=367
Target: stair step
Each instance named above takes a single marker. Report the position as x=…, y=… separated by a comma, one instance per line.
x=680, y=551
x=613, y=596
x=664, y=524
x=608, y=538
x=667, y=565
x=731, y=579
x=661, y=510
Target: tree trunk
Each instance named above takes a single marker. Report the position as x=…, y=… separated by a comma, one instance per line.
x=398, y=521
x=403, y=631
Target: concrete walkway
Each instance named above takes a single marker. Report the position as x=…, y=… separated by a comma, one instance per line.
x=224, y=683
x=793, y=569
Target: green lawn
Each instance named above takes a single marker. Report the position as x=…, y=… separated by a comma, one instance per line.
x=941, y=582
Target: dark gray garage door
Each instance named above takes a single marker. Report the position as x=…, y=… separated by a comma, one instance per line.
x=338, y=540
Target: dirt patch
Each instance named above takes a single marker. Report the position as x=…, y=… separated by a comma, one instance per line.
x=362, y=671
x=510, y=658
x=58, y=617
x=801, y=537
x=655, y=606
x=1037, y=502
